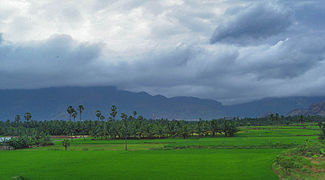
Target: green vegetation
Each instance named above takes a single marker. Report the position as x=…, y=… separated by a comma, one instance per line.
x=248, y=155
x=322, y=128
x=65, y=144
x=129, y=127
x=180, y=164
x=303, y=162
x=28, y=140
x=162, y=149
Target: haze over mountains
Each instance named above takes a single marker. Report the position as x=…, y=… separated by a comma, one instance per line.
x=51, y=103
x=312, y=110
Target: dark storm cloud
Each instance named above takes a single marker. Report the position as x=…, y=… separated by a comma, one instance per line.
x=256, y=21
x=258, y=50
x=58, y=60
x=310, y=14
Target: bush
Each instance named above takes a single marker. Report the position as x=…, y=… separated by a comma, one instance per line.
x=322, y=129
x=66, y=144
x=309, y=149
x=296, y=161
x=19, y=142
x=27, y=141
x=288, y=163
x=285, y=162
x=229, y=128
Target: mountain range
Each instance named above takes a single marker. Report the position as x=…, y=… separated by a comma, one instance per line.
x=51, y=103
x=312, y=110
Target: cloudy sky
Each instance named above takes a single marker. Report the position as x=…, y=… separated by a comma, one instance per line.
x=228, y=50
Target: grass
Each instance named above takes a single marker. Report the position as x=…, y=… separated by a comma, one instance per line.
x=176, y=164
x=249, y=155
x=307, y=161
x=277, y=132
x=178, y=143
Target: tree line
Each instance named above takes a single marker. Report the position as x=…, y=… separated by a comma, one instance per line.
x=276, y=120
x=120, y=125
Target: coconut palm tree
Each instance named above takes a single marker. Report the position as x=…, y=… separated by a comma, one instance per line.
x=301, y=119
x=81, y=108
x=98, y=114
x=74, y=115
x=125, y=118
x=28, y=116
x=113, y=112
x=214, y=127
x=70, y=111
x=272, y=118
x=277, y=118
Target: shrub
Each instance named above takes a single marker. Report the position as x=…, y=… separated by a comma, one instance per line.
x=322, y=129
x=66, y=144
x=289, y=162
x=25, y=141
x=229, y=128
x=309, y=149
x=19, y=142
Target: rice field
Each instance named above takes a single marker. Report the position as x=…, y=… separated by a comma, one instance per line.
x=249, y=155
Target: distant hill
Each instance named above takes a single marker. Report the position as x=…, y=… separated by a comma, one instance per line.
x=314, y=109
x=51, y=103
x=281, y=105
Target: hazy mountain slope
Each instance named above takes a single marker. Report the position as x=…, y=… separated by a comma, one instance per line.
x=314, y=109
x=51, y=103
x=281, y=105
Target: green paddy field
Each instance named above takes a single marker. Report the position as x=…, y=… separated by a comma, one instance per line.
x=249, y=156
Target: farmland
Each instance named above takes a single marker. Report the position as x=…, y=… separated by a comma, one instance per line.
x=248, y=155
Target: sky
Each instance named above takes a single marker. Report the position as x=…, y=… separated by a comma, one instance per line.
x=232, y=51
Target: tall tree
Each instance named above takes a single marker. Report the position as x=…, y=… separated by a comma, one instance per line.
x=282, y=118
x=70, y=111
x=125, y=119
x=17, y=118
x=301, y=119
x=113, y=113
x=277, y=118
x=272, y=118
x=74, y=115
x=199, y=127
x=28, y=116
x=98, y=114
x=81, y=108
x=214, y=127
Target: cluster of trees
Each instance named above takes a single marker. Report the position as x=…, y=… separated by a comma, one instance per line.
x=118, y=126
x=23, y=135
x=27, y=139
x=134, y=127
x=276, y=119
x=27, y=116
x=73, y=113
x=127, y=126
